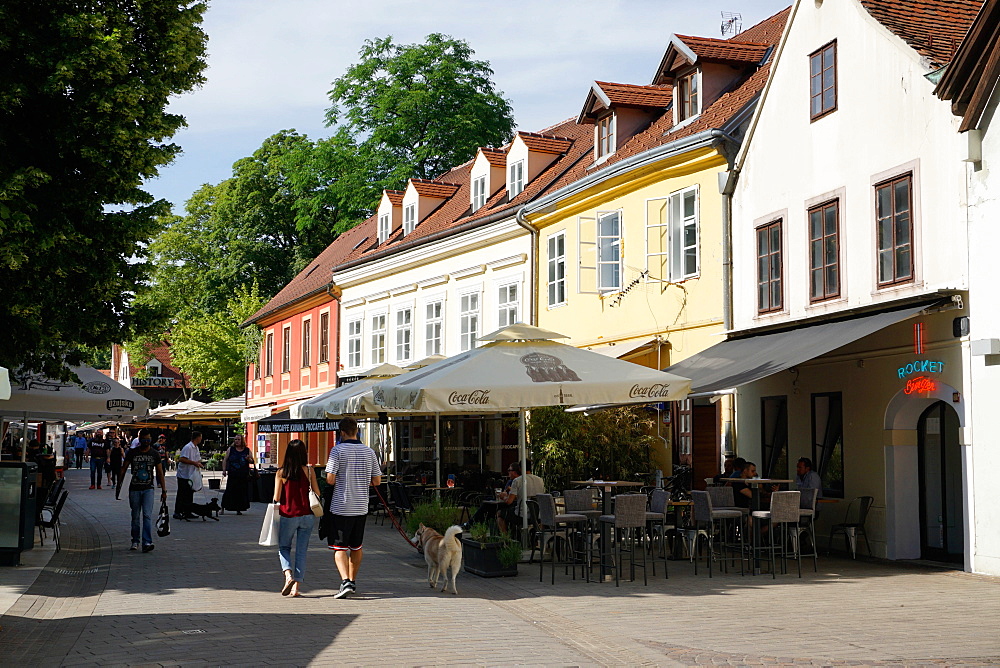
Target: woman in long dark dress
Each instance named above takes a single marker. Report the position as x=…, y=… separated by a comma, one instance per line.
x=236, y=466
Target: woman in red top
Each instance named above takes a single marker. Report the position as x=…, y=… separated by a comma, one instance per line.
x=291, y=490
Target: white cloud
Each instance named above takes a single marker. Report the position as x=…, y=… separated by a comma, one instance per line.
x=271, y=63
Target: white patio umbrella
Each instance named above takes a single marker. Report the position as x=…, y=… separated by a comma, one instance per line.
x=95, y=397
x=350, y=399
x=522, y=367
x=4, y=384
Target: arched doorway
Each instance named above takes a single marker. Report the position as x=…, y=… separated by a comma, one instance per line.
x=942, y=509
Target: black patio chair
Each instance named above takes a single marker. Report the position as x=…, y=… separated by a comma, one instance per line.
x=854, y=524
x=53, y=521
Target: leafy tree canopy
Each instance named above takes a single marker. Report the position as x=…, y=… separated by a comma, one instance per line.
x=418, y=109
x=214, y=351
x=83, y=91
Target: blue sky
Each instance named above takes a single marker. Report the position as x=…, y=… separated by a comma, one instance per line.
x=271, y=63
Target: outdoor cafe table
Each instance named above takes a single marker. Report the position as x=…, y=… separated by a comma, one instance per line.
x=605, y=485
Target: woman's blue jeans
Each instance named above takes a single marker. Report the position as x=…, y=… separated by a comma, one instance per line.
x=297, y=529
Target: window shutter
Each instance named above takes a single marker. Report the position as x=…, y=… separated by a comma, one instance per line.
x=657, y=240
x=586, y=275
x=676, y=238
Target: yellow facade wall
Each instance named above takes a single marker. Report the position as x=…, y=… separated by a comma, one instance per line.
x=687, y=314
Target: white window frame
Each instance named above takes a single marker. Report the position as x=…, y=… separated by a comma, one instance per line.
x=378, y=338
x=679, y=224
x=305, y=339
x=434, y=326
x=556, y=284
x=616, y=244
x=404, y=333
x=324, y=336
x=657, y=239
x=508, y=310
x=604, y=137
x=286, y=349
x=469, y=319
x=515, y=179
x=409, y=218
x=685, y=115
x=355, y=330
x=384, y=227
x=478, y=192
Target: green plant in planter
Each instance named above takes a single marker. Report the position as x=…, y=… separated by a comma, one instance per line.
x=508, y=549
x=434, y=514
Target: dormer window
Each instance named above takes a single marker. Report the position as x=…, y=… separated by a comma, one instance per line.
x=515, y=182
x=384, y=226
x=478, y=192
x=409, y=218
x=605, y=143
x=688, y=99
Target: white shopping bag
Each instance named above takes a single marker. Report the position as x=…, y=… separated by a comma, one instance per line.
x=269, y=531
x=196, y=483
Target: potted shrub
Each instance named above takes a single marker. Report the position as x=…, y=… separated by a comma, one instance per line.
x=434, y=514
x=490, y=554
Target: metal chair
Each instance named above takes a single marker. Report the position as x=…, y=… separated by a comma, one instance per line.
x=807, y=523
x=556, y=525
x=629, y=519
x=707, y=519
x=854, y=524
x=784, y=513
x=53, y=521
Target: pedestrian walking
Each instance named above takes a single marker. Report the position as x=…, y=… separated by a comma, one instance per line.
x=351, y=469
x=79, y=447
x=98, y=455
x=291, y=491
x=145, y=463
x=188, y=464
x=116, y=456
x=236, y=465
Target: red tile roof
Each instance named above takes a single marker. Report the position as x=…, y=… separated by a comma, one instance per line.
x=395, y=197
x=361, y=242
x=435, y=188
x=716, y=115
x=544, y=143
x=728, y=50
x=933, y=28
x=495, y=157
x=636, y=96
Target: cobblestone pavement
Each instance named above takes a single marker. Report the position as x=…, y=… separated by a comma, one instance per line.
x=208, y=596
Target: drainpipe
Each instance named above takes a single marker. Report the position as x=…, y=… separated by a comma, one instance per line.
x=727, y=183
x=532, y=264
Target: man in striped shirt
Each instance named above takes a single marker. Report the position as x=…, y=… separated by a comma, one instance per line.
x=351, y=469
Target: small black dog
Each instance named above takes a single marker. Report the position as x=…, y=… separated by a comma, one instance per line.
x=208, y=510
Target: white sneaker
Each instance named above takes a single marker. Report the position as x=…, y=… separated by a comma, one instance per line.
x=345, y=588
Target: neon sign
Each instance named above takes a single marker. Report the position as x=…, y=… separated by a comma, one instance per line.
x=919, y=385
x=920, y=366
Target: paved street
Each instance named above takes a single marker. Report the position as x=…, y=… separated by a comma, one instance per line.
x=208, y=595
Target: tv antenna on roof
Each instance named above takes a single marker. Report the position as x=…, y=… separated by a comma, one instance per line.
x=732, y=23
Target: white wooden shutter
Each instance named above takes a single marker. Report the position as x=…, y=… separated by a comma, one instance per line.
x=586, y=275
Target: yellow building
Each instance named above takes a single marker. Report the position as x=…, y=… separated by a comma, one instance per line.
x=631, y=242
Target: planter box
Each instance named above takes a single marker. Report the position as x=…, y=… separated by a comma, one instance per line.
x=482, y=559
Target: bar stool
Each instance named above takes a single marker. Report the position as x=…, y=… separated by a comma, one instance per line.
x=549, y=522
x=629, y=519
x=807, y=523
x=656, y=517
x=784, y=512
x=707, y=518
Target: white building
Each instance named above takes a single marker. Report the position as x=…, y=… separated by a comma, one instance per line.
x=443, y=263
x=850, y=282
x=971, y=85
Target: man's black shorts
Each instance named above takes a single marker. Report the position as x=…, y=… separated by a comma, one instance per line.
x=347, y=532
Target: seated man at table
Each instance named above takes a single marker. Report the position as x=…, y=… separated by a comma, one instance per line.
x=805, y=477
x=744, y=494
x=738, y=465
x=528, y=485
x=488, y=510
x=727, y=470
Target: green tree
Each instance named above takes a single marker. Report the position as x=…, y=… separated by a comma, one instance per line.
x=213, y=351
x=84, y=86
x=418, y=109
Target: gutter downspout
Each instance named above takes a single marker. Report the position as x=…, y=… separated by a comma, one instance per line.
x=532, y=264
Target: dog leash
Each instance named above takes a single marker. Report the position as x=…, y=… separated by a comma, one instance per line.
x=395, y=522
